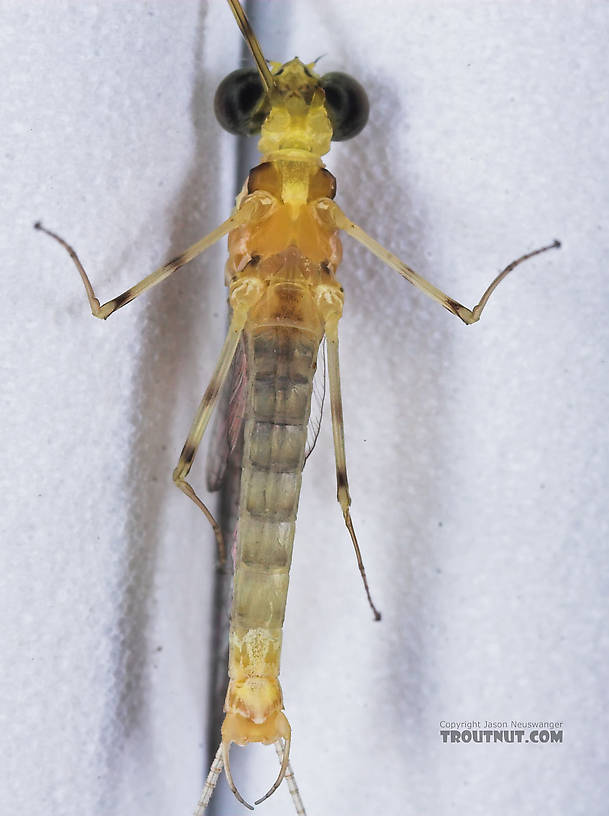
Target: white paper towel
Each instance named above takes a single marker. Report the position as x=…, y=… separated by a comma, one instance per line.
x=477, y=456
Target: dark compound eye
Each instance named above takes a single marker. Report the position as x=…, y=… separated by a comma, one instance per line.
x=239, y=102
x=347, y=105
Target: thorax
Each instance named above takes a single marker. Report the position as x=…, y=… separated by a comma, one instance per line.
x=290, y=248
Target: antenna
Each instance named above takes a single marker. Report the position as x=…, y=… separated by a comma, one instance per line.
x=250, y=38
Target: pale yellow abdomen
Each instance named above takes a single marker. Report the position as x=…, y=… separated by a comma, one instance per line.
x=281, y=363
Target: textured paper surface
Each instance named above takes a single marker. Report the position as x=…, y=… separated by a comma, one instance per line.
x=477, y=456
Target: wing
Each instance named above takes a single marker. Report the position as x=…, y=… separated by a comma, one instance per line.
x=317, y=400
x=228, y=424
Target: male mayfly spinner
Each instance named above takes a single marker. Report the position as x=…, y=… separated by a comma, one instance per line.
x=284, y=296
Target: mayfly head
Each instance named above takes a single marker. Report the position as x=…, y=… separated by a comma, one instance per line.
x=290, y=105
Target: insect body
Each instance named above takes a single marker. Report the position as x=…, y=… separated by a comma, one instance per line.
x=284, y=297
x=284, y=252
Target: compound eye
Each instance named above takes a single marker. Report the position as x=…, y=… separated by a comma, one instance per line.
x=239, y=102
x=347, y=105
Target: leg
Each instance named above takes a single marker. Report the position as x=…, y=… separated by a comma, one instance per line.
x=338, y=432
x=468, y=316
x=201, y=421
x=160, y=274
x=249, y=210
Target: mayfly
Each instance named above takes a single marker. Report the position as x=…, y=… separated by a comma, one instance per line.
x=284, y=252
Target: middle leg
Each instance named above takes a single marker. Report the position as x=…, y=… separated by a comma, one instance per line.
x=338, y=431
x=199, y=424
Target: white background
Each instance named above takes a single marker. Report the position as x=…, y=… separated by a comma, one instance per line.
x=477, y=456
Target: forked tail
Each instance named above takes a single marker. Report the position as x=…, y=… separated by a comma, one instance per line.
x=243, y=730
x=221, y=761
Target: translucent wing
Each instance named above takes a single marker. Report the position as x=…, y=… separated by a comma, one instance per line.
x=317, y=400
x=228, y=423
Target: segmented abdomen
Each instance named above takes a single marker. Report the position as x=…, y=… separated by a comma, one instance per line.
x=281, y=363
